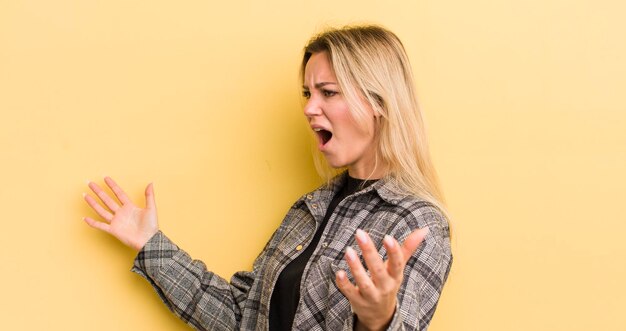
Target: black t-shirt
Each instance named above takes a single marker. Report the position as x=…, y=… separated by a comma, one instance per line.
x=286, y=293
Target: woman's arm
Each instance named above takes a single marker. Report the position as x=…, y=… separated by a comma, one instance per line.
x=199, y=297
x=401, y=292
x=374, y=297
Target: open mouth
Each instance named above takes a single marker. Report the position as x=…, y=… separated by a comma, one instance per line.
x=324, y=135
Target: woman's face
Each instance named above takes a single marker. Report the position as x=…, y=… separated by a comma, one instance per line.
x=342, y=141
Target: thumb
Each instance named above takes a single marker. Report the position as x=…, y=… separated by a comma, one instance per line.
x=412, y=242
x=150, y=201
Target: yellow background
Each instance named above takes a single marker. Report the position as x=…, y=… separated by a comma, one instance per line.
x=526, y=111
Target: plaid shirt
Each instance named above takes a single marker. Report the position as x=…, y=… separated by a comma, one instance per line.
x=206, y=301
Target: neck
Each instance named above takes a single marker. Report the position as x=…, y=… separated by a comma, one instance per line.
x=370, y=174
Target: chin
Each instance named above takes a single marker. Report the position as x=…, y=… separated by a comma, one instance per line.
x=336, y=164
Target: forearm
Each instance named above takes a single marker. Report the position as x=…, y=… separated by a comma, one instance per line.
x=199, y=297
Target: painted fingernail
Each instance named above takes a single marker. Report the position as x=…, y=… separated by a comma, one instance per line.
x=388, y=241
x=361, y=236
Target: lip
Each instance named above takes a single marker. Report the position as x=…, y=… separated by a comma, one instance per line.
x=321, y=145
x=318, y=126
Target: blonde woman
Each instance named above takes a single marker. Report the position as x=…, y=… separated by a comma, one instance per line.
x=369, y=250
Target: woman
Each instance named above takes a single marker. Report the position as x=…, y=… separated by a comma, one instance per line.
x=334, y=262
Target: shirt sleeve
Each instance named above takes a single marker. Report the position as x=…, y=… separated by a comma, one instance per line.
x=426, y=271
x=199, y=297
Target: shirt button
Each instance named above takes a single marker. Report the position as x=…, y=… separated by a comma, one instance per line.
x=314, y=205
x=309, y=196
x=324, y=245
x=299, y=247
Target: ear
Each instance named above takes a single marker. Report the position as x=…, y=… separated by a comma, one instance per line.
x=379, y=103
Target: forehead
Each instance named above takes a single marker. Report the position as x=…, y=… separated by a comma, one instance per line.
x=318, y=68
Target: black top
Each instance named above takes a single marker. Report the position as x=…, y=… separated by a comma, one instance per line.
x=286, y=293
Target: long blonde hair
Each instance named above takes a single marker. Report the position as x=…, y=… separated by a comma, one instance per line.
x=370, y=63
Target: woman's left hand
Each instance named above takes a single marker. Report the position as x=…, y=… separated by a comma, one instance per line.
x=373, y=299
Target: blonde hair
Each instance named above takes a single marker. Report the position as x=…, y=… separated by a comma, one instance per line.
x=371, y=64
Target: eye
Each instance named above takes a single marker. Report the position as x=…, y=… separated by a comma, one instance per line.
x=306, y=94
x=329, y=93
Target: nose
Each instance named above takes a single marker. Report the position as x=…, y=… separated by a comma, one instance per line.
x=312, y=108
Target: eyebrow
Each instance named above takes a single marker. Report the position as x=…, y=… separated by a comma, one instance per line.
x=319, y=85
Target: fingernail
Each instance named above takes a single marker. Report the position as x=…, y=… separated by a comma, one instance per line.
x=350, y=253
x=84, y=194
x=388, y=241
x=341, y=275
x=361, y=236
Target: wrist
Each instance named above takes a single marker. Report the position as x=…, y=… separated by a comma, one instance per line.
x=374, y=324
x=138, y=246
x=371, y=325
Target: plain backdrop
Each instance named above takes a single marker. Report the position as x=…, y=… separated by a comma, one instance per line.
x=526, y=113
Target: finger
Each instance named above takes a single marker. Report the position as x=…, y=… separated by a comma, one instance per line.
x=373, y=261
x=150, y=201
x=395, y=258
x=119, y=193
x=99, y=209
x=344, y=285
x=363, y=281
x=108, y=201
x=413, y=241
x=98, y=225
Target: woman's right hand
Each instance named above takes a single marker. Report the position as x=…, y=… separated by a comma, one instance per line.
x=128, y=223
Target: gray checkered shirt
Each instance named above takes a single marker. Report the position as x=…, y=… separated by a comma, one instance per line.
x=207, y=301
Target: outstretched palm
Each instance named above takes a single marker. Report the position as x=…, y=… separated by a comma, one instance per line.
x=130, y=224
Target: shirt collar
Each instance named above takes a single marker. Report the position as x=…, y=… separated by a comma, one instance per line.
x=387, y=188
